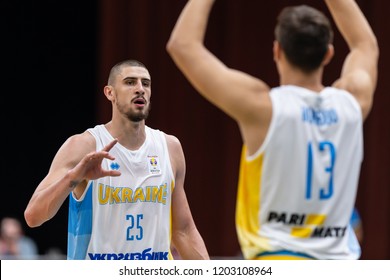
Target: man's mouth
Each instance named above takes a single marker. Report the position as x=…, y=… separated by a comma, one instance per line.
x=139, y=101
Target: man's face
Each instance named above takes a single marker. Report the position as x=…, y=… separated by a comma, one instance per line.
x=133, y=92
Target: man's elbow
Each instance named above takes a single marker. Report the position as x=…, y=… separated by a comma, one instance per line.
x=179, y=48
x=173, y=46
x=376, y=49
x=31, y=218
x=370, y=47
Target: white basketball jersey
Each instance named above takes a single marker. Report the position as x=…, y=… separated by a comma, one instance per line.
x=297, y=192
x=125, y=217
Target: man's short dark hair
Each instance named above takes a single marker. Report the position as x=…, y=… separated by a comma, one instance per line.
x=304, y=34
x=115, y=70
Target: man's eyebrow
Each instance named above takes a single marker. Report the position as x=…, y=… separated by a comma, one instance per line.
x=136, y=78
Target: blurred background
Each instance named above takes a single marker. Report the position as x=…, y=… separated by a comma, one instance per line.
x=56, y=56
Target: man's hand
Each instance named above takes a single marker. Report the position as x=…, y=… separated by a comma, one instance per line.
x=90, y=167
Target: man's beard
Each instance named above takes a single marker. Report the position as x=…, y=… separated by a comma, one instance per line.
x=136, y=116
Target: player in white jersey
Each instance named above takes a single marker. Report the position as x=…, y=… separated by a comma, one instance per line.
x=124, y=180
x=302, y=141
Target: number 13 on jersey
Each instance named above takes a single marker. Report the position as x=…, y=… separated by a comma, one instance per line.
x=323, y=147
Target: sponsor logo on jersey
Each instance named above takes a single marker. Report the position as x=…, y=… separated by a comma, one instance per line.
x=146, y=254
x=307, y=225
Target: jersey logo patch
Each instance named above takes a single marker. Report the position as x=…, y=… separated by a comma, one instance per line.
x=154, y=165
x=114, y=166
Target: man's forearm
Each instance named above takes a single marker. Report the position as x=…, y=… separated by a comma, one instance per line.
x=351, y=22
x=46, y=202
x=192, y=23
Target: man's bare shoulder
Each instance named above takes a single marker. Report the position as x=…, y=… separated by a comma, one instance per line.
x=75, y=148
x=83, y=141
x=171, y=139
x=360, y=85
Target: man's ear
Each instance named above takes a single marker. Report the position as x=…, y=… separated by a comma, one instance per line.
x=329, y=55
x=109, y=92
x=276, y=51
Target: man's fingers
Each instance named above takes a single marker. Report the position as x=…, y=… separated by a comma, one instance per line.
x=110, y=145
x=112, y=173
x=108, y=156
x=98, y=156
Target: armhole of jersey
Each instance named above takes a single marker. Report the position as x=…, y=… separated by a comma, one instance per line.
x=269, y=132
x=356, y=105
x=81, y=199
x=170, y=170
x=353, y=100
x=93, y=133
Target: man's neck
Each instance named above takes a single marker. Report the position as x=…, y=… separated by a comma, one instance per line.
x=130, y=134
x=312, y=81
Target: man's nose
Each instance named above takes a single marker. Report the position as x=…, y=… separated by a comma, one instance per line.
x=140, y=87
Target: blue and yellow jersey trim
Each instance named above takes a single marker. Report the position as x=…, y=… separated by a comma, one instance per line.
x=170, y=256
x=283, y=255
x=248, y=205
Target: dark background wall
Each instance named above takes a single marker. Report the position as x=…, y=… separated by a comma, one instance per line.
x=56, y=58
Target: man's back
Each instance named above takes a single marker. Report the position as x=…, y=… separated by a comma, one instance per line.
x=308, y=155
x=299, y=192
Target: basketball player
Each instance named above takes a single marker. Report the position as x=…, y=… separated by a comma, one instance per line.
x=303, y=143
x=124, y=180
